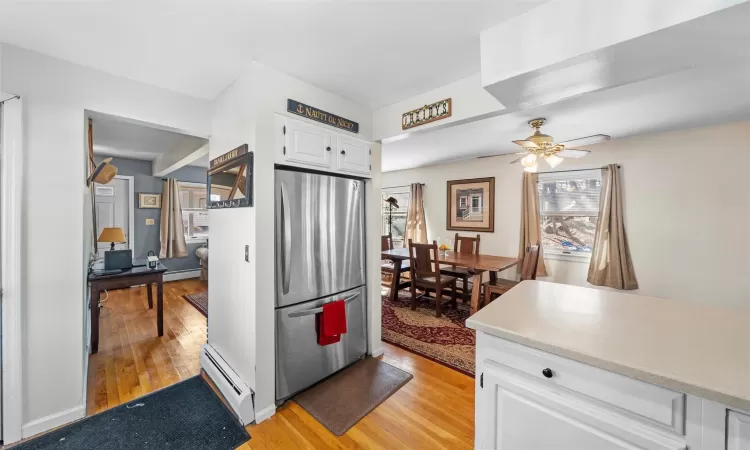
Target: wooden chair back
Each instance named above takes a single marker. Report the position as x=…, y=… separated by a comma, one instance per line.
x=421, y=257
x=386, y=242
x=530, y=263
x=466, y=244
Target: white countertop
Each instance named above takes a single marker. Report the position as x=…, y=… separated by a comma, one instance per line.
x=687, y=347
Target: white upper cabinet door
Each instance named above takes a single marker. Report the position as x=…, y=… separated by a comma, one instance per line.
x=738, y=431
x=517, y=412
x=307, y=144
x=352, y=155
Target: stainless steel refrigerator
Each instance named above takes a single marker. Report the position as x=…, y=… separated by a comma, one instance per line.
x=320, y=258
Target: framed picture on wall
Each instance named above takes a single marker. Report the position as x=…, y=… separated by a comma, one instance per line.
x=149, y=201
x=471, y=205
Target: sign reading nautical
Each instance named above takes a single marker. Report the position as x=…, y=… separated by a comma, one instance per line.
x=295, y=107
x=426, y=114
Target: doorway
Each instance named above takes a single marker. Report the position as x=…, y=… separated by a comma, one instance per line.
x=137, y=350
x=114, y=206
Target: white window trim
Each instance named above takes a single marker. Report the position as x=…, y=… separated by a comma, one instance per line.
x=195, y=239
x=577, y=257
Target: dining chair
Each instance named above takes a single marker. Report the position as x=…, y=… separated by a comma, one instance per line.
x=528, y=272
x=425, y=274
x=386, y=265
x=463, y=245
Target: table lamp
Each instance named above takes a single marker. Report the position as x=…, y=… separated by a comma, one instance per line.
x=113, y=235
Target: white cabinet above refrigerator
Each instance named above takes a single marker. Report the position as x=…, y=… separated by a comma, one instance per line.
x=304, y=144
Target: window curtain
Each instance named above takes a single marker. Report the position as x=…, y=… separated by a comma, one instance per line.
x=171, y=233
x=416, y=227
x=611, y=264
x=531, y=233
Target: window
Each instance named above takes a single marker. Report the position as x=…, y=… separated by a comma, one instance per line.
x=398, y=224
x=194, y=212
x=569, y=208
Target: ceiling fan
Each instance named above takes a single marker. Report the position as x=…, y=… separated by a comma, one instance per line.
x=542, y=146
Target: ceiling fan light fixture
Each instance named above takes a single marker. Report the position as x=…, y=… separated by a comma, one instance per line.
x=531, y=169
x=529, y=160
x=553, y=160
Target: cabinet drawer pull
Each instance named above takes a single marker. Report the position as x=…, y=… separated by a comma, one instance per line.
x=547, y=373
x=328, y=149
x=343, y=152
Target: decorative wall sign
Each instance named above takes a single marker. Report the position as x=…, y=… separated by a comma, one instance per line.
x=239, y=151
x=426, y=114
x=295, y=107
x=471, y=205
x=230, y=180
x=149, y=201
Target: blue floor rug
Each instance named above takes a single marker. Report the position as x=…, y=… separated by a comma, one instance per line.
x=187, y=416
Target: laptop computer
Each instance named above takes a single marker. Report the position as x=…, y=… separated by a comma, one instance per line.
x=118, y=260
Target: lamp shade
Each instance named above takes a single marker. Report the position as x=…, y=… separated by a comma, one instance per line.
x=112, y=235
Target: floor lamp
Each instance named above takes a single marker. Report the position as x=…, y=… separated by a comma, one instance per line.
x=392, y=203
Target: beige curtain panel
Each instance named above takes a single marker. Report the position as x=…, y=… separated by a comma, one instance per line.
x=531, y=233
x=611, y=264
x=172, y=234
x=416, y=227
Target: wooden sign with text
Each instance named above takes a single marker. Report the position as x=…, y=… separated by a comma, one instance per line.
x=426, y=114
x=295, y=107
x=239, y=151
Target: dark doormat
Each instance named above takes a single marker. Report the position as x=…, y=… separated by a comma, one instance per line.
x=342, y=400
x=199, y=300
x=187, y=416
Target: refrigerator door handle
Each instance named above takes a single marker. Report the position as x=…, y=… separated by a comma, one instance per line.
x=287, y=230
x=319, y=310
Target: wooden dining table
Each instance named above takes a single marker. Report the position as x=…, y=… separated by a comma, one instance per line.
x=475, y=264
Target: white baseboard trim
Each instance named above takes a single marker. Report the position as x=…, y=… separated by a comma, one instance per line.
x=182, y=275
x=377, y=351
x=53, y=421
x=265, y=413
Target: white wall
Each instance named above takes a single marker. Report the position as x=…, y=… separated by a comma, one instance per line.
x=55, y=95
x=687, y=209
x=264, y=91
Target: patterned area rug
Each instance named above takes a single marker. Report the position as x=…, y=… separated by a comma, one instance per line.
x=445, y=340
x=199, y=300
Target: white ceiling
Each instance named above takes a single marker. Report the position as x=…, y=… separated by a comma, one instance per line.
x=690, y=75
x=374, y=53
x=692, y=98
x=117, y=137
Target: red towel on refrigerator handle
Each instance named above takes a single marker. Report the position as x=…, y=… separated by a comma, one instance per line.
x=331, y=323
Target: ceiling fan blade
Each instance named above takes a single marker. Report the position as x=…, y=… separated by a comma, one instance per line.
x=572, y=153
x=588, y=140
x=526, y=144
x=515, y=161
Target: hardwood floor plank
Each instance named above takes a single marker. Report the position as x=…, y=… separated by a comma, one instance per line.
x=435, y=410
x=132, y=360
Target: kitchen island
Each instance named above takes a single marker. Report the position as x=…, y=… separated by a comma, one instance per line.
x=562, y=366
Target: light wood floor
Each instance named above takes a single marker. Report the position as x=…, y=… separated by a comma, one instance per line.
x=435, y=410
x=132, y=360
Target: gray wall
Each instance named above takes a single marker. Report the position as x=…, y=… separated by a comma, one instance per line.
x=147, y=236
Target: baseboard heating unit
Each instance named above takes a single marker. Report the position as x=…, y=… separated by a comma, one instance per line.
x=239, y=396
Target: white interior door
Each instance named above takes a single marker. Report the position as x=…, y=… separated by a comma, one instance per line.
x=113, y=205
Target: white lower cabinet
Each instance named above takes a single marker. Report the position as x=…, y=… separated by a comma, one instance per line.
x=528, y=399
x=517, y=412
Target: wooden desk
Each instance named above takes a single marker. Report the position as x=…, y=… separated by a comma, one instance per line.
x=476, y=264
x=133, y=277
